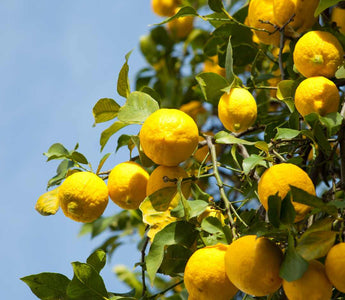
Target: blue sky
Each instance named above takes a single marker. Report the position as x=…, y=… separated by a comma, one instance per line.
x=57, y=59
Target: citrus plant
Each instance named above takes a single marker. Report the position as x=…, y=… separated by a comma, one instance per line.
x=235, y=179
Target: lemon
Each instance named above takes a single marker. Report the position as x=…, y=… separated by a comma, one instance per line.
x=181, y=27
x=338, y=16
x=304, y=13
x=318, y=53
x=83, y=196
x=317, y=94
x=278, y=178
x=164, y=8
x=156, y=180
x=127, y=184
x=196, y=110
x=335, y=266
x=169, y=136
x=205, y=277
x=314, y=284
x=211, y=65
x=237, y=110
x=252, y=265
x=262, y=10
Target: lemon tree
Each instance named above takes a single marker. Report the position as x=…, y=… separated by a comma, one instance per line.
x=235, y=174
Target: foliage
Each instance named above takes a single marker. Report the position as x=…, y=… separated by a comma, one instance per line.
x=225, y=181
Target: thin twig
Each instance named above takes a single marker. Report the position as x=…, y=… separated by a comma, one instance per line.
x=166, y=290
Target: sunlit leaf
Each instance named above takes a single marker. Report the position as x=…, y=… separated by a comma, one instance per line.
x=324, y=4
x=105, y=109
x=224, y=137
x=97, y=259
x=48, y=203
x=183, y=12
x=249, y=163
x=106, y=134
x=55, y=151
x=123, y=87
x=286, y=133
x=102, y=161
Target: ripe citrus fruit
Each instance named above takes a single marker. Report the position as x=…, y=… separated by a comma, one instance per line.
x=156, y=180
x=164, y=8
x=262, y=10
x=303, y=10
x=83, y=196
x=169, y=136
x=211, y=65
x=127, y=184
x=278, y=178
x=314, y=284
x=205, y=277
x=252, y=265
x=338, y=16
x=237, y=110
x=196, y=110
x=335, y=266
x=317, y=94
x=318, y=53
x=181, y=27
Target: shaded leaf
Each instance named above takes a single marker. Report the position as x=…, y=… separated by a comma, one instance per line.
x=79, y=157
x=175, y=260
x=105, y=109
x=183, y=12
x=274, y=208
x=249, y=163
x=229, y=68
x=106, y=134
x=48, y=286
x=324, y=4
x=137, y=108
x=216, y=5
x=48, y=203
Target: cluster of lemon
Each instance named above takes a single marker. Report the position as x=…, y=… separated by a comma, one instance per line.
x=179, y=27
x=251, y=264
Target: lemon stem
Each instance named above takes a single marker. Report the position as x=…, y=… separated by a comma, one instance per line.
x=225, y=199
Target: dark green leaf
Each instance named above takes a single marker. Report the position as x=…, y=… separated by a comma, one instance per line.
x=78, y=157
x=124, y=140
x=97, y=259
x=287, y=210
x=212, y=225
x=123, y=82
x=105, y=109
x=183, y=12
x=294, y=265
x=286, y=133
x=48, y=286
x=160, y=199
x=61, y=172
x=175, y=260
x=86, y=284
x=324, y=4
x=249, y=163
x=229, y=67
x=181, y=232
x=137, y=108
x=211, y=85
x=274, y=208
x=321, y=139
x=315, y=244
x=106, y=134
x=216, y=5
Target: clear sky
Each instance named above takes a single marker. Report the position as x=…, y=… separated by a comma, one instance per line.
x=57, y=59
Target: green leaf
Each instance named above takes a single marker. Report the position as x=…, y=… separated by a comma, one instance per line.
x=249, y=163
x=106, y=134
x=183, y=12
x=102, y=161
x=315, y=244
x=175, y=260
x=287, y=210
x=123, y=82
x=286, y=133
x=229, y=64
x=61, y=172
x=211, y=85
x=274, y=209
x=303, y=197
x=340, y=73
x=212, y=225
x=137, y=108
x=197, y=207
x=324, y=4
x=78, y=157
x=294, y=265
x=285, y=89
x=105, y=109
x=332, y=121
x=48, y=286
x=216, y=5
x=97, y=259
x=223, y=137
x=124, y=140
x=181, y=232
x=128, y=277
x=86, y=283
x=322, y=139
x=56, y=151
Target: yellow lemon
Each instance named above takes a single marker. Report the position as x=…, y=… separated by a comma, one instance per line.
x=163, y=177
x=318, y=53
x=262, y=10
x=181, y=27
x=278, y=178
x=205, y=277
x=127, y=184
x=164, y=8
x=335, y=266
x=314, y=284
x=83, y=196
x=338, y=16
x=237, y=110
x=169, y=136
x=252, y=265
x=317, y=94
x=211, y=65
